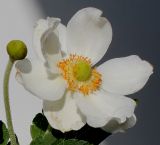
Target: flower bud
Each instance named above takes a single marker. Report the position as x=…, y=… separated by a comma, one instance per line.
x=17, y=49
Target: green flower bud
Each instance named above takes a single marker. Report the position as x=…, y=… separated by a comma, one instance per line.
x=17, y=49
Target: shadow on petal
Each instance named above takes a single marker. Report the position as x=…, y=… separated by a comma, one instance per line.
x=24, y=66
x=52, y=106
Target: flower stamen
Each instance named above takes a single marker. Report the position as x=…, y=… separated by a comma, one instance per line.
x=79, y=74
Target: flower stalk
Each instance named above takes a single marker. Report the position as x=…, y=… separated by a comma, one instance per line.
x=7, y=103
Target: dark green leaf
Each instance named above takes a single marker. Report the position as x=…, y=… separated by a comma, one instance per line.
x=37, y=141
x=46, y=139
x=4, y=135
x=71, y=142
x=39, y=126
x=87, y=133
x=35, y=131
x=41, y=131
x=40, y=121
x=76, y=142
x=59, y=142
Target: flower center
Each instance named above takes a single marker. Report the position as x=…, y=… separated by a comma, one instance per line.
x=79, y=74
x=82, y=71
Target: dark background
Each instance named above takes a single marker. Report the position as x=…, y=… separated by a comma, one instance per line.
x=136, y=30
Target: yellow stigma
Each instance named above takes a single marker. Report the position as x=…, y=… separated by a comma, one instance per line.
x=82, y=71
x=79, y=74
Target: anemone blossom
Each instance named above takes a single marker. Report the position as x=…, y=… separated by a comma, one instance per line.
x=73, y=90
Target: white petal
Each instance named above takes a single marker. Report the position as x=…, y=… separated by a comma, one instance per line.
x=125, y=75
x=34, y=77
x=89, y=34
x=41, y=26
x=113, y=126
x=63, y=114
x=101, y=107
x=49, y=39
x=62, y=37
x=51, y=47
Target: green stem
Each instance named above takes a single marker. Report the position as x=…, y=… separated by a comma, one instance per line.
x=6, y=102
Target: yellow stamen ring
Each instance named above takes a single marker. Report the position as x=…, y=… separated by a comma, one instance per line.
x=77, y=71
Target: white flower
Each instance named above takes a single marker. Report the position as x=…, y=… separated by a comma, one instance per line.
x=74, y=92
